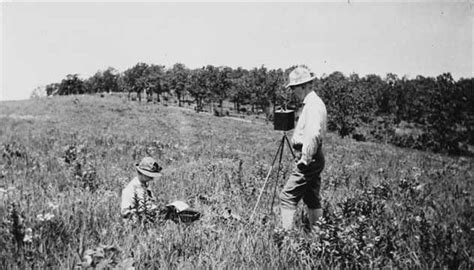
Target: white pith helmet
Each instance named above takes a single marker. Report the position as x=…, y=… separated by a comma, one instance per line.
x=299, y=76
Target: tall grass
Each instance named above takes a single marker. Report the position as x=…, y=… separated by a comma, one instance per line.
x=65, y=161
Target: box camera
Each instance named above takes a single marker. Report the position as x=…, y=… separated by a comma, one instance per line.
x=284, y=120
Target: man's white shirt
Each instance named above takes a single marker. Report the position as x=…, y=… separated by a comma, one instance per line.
x=311, y=126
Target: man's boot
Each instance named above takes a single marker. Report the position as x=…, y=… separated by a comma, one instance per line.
x=287, y=218
x=314, y=215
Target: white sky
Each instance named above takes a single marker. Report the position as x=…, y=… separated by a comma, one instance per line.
x=43, y=42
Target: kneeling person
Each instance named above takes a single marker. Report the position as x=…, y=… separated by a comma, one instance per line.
x=136, y=196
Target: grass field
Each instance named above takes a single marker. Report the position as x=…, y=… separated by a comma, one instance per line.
x=384, y=206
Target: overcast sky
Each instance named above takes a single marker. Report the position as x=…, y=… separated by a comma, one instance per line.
x=43, y=42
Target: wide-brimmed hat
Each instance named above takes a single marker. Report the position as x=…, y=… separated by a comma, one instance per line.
x=299, y=76
x=149, y=167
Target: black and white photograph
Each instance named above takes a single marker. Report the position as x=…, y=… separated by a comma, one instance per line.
x=237, y=134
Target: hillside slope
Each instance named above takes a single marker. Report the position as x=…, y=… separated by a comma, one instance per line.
x=71, y=156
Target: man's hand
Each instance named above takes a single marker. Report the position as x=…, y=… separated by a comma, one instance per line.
x=301, y=164
x=298, y=155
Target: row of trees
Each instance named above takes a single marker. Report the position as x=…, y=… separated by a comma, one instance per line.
x=259, y=87
x=423, y=113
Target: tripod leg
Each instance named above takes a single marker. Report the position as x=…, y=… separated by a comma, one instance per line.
x=278, y=173
x=289, y=146
x=280, y=147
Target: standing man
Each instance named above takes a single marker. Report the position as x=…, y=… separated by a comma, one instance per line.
x=305, y=180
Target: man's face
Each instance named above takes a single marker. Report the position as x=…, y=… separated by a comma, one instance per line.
x=145, y=178
x=299, y=92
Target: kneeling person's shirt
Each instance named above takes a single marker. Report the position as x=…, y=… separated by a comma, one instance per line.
x=135, y=192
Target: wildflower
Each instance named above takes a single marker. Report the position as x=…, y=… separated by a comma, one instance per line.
x=11, y=188
x=417, y=172
x=419, y=187
x=127, y=264
x=87, y=259
x=46, y=217
x=160, y=238
x=353, y=165
x=52, y=205
x=28, y=236
x=418, y=218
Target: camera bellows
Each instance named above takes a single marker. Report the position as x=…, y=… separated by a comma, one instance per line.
x=180, y=212
x=188, y=216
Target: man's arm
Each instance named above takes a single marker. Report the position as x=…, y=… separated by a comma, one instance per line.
x=126, y=206
x=311, y=136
